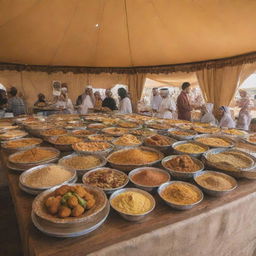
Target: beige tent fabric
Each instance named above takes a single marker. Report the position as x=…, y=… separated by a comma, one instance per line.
x=32, y=83
x=172, y=79
x=129, y=32
x=219, y=85
x=135, y=85
x=247, y=70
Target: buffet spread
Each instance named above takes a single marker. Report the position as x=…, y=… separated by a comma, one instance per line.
x=83, y=166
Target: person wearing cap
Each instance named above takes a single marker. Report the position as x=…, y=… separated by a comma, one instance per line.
x=86, y=100
x=68, y=102
x=167, y=106
x=183, y=104
x=244, y=117
x=156, y=100
x=125, y=106
x=109, y=101
x=15, y=104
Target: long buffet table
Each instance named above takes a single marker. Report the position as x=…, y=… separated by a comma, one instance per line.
x=218, y=226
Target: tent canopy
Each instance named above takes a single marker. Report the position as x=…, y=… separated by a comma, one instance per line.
x=124, y=33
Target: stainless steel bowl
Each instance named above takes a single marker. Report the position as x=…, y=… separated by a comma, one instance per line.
x=181, y=137
x=227, y=139
x=24, y=175
x=147, y=188
x=196, y=155
x=133, y=217
x=131, y=166
x=164, y=149
x=103, y=153
x=212, y=192
x=110, y=190
x=180, y=206
x=106, y=131
x=182, y=175
x=82, y=171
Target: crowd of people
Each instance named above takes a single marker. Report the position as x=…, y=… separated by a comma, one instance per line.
x=162, y=105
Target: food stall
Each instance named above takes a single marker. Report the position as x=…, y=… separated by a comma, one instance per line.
x=212, y=218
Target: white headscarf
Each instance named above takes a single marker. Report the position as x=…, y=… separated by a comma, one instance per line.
x=208, y=117
x=227, y=120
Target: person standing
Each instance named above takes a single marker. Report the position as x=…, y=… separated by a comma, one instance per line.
x=15, y=103
x=156, y=100
x=244, y=117
x=98, y=100
x=208, y=117
x=86, y=100
x=3, y=102
x=109, y=101
x=183, y=105
x=125, y=105
x=226, y=119
x=167, y=106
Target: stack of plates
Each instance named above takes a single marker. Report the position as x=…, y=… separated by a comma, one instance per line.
x=37, y=190
x=70, y=226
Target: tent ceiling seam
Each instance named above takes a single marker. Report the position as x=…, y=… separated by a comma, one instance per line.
x=128, y=33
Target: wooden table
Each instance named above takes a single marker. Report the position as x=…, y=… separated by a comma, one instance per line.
x=116, y=231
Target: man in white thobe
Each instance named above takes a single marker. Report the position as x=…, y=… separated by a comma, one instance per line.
x=88, y=100
x=167, y=106
x=156, y=100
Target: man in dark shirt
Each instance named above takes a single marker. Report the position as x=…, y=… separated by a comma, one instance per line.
x=15, y=103
x=109, y=102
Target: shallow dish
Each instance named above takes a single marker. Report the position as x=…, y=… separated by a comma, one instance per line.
x=82, y=171
x=181, y=137
x=25, y=175
x=62, y=146
x=115, y=131
x=144, y=187
x=103, y=153
x=213, y=192
x=71, y=231
x=180, y=206
x=133, y=217
x=39, y=208
x=110, y=190
x=38, y=191
x=55, y=155
x=197, y=155
x=225, y=138
x=182, y=175
x=4, y=145
x=129, y=167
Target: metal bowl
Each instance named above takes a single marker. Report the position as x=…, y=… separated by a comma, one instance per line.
x=249, y=172
x=133, y=217
x=46, y=137
x=22, y=135
x=212, y=192
x=180, y=206
x=83, y=136
x=164, y=149
x=229, y=140
x=110, y=190
x=38, y=191
x=196, y=155
x=13, y=150
x=106, y=131
x=103, y=153
x=124, y=167
x=182, y=175
x=24, y=175
x=147, y=188
x=92, y=138
x=82, y=171
x=181, y=137
x=62, y=147
x=117, y=147
x=32, y=164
